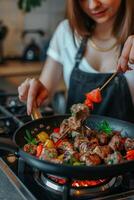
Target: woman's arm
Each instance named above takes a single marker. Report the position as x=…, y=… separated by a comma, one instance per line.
x=36, y=91
x=51, y=75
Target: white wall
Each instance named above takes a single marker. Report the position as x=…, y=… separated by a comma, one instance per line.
x=45, y=17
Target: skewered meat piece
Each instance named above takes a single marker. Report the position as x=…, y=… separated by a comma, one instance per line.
x=103, y=138
x=48, y=154
x=114, y=158
x=129, y=144
x=90, y=159
x=69, y=125
x=80, y=111
x=30, y=148
x=116, y=143
x=55, y=136
x=102, y=151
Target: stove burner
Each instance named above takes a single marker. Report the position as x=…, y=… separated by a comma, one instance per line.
x=78, y=183
x=104, y=186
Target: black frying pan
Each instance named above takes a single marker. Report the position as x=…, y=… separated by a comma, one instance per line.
x=77, y=172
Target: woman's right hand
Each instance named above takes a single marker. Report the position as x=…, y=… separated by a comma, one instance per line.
x=33, y=92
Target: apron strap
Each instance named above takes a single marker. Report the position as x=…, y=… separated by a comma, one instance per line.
x=80, y=52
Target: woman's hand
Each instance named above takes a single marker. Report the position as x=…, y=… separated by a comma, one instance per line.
x=33, y=92
x=127, y=55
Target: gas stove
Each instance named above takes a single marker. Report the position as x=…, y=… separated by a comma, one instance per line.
x=39, y=185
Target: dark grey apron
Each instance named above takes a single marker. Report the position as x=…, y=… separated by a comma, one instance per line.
x=116, y=101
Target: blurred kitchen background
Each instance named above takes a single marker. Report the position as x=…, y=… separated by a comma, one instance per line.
x=26, y=27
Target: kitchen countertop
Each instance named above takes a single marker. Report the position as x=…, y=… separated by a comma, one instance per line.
x=13, y=73
x=18, y=68
x=11, y=188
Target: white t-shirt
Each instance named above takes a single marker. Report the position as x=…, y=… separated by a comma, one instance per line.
x=63, y=49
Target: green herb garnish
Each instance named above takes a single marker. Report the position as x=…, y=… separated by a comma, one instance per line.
x=28, y=137
x=105, y=127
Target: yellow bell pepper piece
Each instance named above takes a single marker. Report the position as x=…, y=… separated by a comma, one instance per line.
x=42, y=136
x=60, y=157
x=49, y=144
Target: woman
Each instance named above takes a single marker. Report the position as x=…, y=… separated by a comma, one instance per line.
x=96, y=40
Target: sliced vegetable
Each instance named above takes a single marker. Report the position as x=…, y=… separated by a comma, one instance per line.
x=42, y=136
x=39, y=150
x=28, y=137
x=60, y=157
x=94, y=96
x=49, y=144
x=130, y=155
x=89, y=103
x=56, y=130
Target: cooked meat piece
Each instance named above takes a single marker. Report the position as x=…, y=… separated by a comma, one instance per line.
x=80, y=111
x=114, y=158
x=103, y=138
x=79, y=140
x=48, y=154
x=64, y=127
x=83, y=156
x=70, y=155
x=30, y=148
x=102, y=151
x=90, y=159
x=116, y=143
x=70, y=124
x=73, y=123
x=93, y=159
x=93, y=142
x=65, y=146
x=84, y=147
x=55, y=136
x=75, y=133
x=129, y=144
x=89, y=132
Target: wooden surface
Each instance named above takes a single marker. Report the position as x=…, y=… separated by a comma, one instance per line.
x=17, y=68
x=15, y=72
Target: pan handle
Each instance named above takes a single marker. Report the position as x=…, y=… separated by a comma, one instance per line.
x=9, y=145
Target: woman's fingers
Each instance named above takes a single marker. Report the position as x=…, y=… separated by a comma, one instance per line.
x=23, y=90
x=32, y=94
x=37, y=93
x=131, y=55
x=127, y=55
x=42, y=96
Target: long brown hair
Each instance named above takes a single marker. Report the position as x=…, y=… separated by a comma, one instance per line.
x=83, y=25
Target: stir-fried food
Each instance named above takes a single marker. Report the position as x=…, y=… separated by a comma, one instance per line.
x=82, y=145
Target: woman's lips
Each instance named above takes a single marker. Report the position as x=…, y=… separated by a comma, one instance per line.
x=100, y=13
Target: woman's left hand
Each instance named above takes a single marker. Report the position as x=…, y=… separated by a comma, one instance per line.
x=127, y=55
